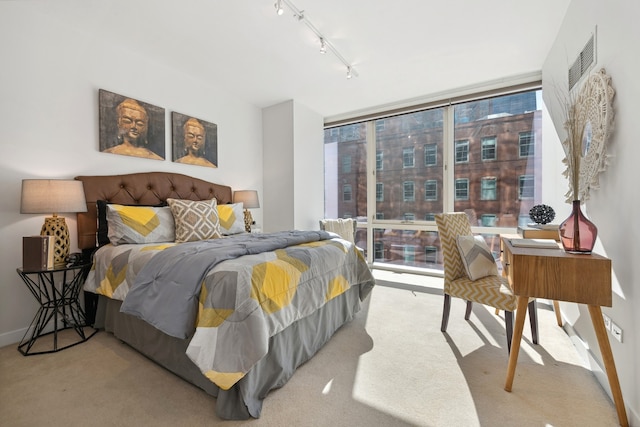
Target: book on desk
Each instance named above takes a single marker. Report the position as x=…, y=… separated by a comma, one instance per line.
x=535, y=243
x=539, y=231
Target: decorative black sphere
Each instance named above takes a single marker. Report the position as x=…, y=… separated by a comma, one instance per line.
x=542, y=214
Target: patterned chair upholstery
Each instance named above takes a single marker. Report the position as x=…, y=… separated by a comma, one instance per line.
x=344, y=227
x=493, y=291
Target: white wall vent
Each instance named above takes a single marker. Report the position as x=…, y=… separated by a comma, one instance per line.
x=583, y=63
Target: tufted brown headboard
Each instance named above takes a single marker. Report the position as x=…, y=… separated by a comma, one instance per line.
x=145, y=188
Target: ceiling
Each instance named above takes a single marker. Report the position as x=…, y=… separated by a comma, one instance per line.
x=401, y=50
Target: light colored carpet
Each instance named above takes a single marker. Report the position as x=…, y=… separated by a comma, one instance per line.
x=391, y=366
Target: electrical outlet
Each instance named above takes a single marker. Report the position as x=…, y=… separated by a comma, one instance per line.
x=607, y=321
x=616, y=331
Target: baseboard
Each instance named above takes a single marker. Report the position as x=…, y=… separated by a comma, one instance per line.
x=598, y=371
x=12, y=337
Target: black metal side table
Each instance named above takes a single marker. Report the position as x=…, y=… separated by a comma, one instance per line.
x=58, y=292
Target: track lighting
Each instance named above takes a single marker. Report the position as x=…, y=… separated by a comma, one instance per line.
x=324, y=43
x=279, y=8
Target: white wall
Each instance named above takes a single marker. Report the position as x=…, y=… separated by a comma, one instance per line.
x=49, y=81
x=293, y=167
x=614, y=206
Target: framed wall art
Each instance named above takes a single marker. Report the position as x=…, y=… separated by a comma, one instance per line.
x=131, y=127
x=195, y=141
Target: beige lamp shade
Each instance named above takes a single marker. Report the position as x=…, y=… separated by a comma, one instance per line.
x=53, y=196
x=249, y=200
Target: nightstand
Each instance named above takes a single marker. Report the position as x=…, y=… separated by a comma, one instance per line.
x=57, y=291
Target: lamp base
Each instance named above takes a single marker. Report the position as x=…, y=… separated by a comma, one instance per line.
x=56, y=226
x=248, y=220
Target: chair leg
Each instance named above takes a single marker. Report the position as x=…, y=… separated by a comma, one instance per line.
x=533, y=320
x=467, y=313
x=445, y=312
x=508, y=320
x=556, y=308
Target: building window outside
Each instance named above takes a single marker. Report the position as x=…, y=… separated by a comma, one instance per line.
x=346, y=164
x=462, y=151
x=488, y=189
x=430, y=216
x=379, y=160
x=431, y=190
x=408, y=189
x=488, y=220
x=408, y=216
x=408, y=160
x=462, y=189
x=488, y=147
x=379, y=192
x=409, y=253
x=380, y=125
x=526, y=144
x=431, y=254
x=346, y=192
x=378, y=250
x=379, y=215
x=430, y=155
x=526, y=187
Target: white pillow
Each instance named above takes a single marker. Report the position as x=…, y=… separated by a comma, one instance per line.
x=477, y=257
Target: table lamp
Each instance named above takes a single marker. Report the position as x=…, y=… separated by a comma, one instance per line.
x=53, y=196
x=249, y=200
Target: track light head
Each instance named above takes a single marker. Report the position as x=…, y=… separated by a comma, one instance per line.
x=323, y=45
x=279, y=8
x=349, y=73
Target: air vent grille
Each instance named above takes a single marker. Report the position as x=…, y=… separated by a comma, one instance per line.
x=583, y=62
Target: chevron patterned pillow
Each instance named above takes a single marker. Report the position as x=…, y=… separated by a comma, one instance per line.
x=139, y=224
x=195, y=220
x=477, y=257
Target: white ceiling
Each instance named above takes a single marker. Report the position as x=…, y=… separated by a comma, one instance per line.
x=401, y=49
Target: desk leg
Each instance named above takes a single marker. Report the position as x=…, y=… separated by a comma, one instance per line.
x=521, y=312
x=610, y=365
x=556, y=308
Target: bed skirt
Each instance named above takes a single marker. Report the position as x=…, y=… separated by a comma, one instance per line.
x=287, y=350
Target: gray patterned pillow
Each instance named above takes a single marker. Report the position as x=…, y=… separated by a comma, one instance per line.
x=477, y=257
x=195, y=220
x=139, y=224
x=231, y=219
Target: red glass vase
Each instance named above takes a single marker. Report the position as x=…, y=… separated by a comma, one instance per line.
x=577, y=233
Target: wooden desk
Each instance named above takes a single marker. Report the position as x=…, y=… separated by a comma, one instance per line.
x=557, y=275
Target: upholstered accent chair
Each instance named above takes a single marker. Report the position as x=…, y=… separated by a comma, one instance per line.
x=344, y=227
x=492, y=290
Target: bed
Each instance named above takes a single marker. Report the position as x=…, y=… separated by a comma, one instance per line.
x=234, y=315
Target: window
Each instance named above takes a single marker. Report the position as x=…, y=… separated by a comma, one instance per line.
x=462, y=151
x=378, y=250
x=346, y=164
x=498, y=184
x=407, y=157
x=462, y=189
x=526, y=143
x=488, y=220
x=408, y=191
x=346, y=192
x=488, y=147
x=488, y=188
x=430, y=155
x=431, y=254
x=431, y=190
x=379, y=192
x=525, y=187
x=409, y=253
